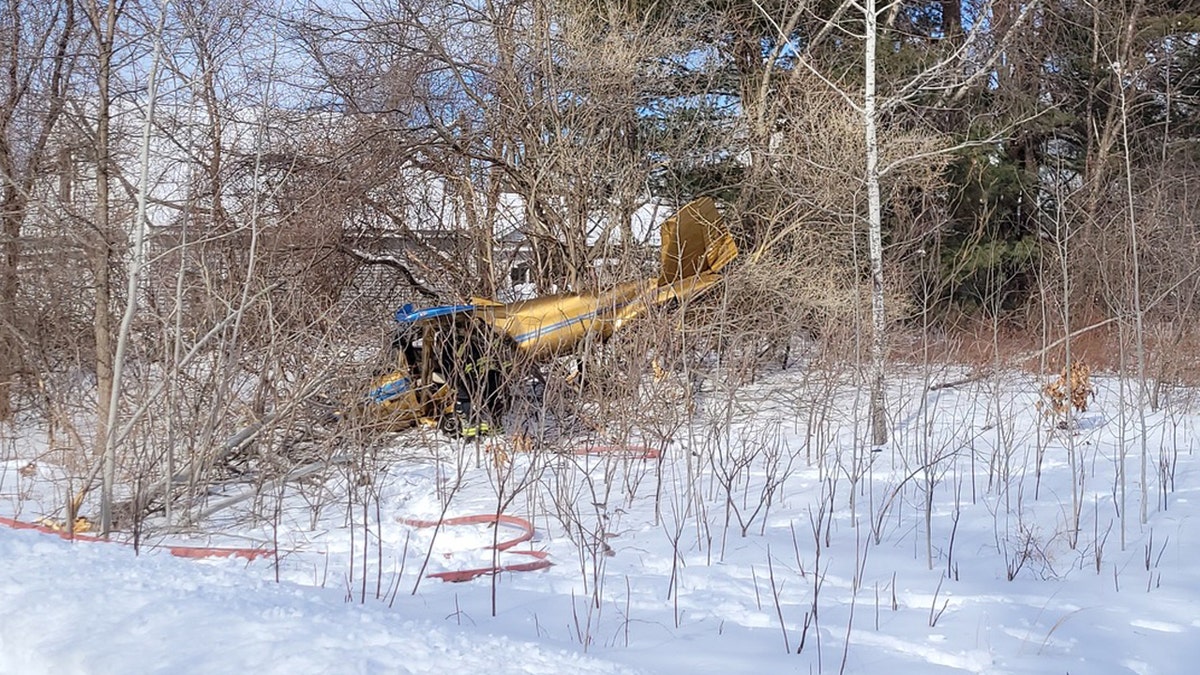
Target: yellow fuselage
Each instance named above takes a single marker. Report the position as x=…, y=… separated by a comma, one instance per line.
x=695, y=248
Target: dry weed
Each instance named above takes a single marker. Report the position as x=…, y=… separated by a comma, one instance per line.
x=1071, y=390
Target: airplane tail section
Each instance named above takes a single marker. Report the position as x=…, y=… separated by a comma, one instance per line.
x=696, y=245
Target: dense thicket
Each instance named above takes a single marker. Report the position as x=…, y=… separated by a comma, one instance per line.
x=217, y=189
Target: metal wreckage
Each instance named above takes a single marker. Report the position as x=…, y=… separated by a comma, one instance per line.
x=452, y=365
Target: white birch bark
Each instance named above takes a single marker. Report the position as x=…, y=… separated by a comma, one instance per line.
x=879, y=431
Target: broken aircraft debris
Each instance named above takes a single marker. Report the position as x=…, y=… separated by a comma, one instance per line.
x=451, y=364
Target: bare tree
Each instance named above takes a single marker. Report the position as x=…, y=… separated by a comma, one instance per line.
x=102, y=19
x=870, y=112
x=37, y=61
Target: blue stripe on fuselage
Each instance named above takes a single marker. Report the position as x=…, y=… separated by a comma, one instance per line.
x=385, y=393
x=404, y=317
x=421, y=314
x=546, y=330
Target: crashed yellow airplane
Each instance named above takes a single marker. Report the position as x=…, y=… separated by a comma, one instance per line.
x=452, y=363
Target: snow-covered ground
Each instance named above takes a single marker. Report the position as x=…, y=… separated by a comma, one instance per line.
x=766, y=539
x=96, y=608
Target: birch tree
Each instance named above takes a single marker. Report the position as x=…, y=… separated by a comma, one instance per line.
x=942, y=77
x=879, y=429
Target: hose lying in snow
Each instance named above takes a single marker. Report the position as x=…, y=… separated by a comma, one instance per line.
x=177, y=551
x=503, y=547
x=623, y=451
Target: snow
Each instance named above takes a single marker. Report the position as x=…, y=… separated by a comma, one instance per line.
x=1004, y=581
x=97, y=608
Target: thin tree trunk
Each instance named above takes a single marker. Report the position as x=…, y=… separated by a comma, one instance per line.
x=879, y=430
x=134, y=273
x=1139, y=331
x=104, y=27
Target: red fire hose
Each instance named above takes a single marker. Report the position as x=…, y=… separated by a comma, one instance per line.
x=526, y=534
x=194, y=552
x=526, y=528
